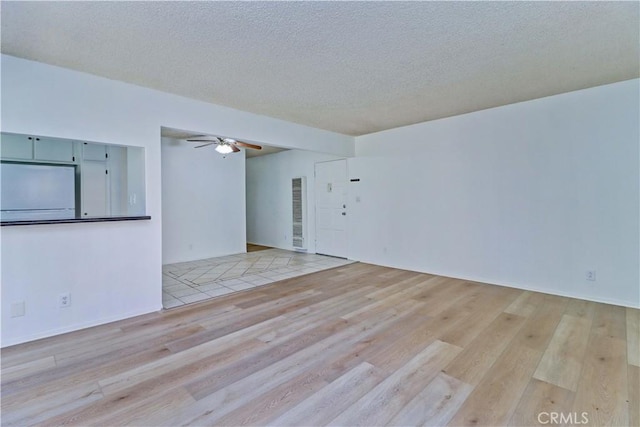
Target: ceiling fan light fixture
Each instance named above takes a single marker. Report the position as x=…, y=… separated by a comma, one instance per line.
x=224, y=149
x=222, y=145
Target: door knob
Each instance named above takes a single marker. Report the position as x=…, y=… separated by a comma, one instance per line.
x=344, y=213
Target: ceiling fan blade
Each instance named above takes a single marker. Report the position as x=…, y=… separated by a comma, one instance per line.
x=247, y=145
x=205, y=145
x=234, y=148
x=202, y=140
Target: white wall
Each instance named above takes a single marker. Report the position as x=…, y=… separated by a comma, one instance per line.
x=529, y=195
x=203, y=202
x=113, y=270
x=269, y=217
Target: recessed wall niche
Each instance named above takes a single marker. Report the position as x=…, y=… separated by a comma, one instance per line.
x=46, y=178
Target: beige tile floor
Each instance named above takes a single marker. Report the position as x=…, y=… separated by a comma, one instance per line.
x=193, y=281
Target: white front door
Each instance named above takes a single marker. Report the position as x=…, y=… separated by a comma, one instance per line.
x=331, y=208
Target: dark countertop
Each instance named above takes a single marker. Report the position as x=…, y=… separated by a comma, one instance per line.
x=73, y=220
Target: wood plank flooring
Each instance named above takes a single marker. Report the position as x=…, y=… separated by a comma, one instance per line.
x=251, y=247
x=355, y=345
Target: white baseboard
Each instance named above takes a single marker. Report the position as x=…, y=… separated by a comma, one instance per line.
x=75, y=327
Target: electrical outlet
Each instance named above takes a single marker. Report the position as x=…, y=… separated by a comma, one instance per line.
x=64, y=300
x=591, y=275
x=17, y=309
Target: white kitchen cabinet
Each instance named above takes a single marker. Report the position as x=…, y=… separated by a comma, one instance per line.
x=94, y=181
x=95, y=189
x=14, y=146
x=54, y=150
x=94, y=152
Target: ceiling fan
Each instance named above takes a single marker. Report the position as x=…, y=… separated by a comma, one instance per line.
x=224, y=145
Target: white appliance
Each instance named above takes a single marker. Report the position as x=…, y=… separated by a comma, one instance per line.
x=31, y=191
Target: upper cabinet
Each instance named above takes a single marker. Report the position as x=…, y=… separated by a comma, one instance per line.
x=95, y=152
x=28, y=147
x=54, y=150
x=14, y=146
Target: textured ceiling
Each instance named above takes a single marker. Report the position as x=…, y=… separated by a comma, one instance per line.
x=349, y=67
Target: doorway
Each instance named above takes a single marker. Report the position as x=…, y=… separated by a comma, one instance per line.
x=331, y=208
x=251, y=247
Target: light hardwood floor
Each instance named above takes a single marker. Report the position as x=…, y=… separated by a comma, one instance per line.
x=251, y=247
x=356, y=345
